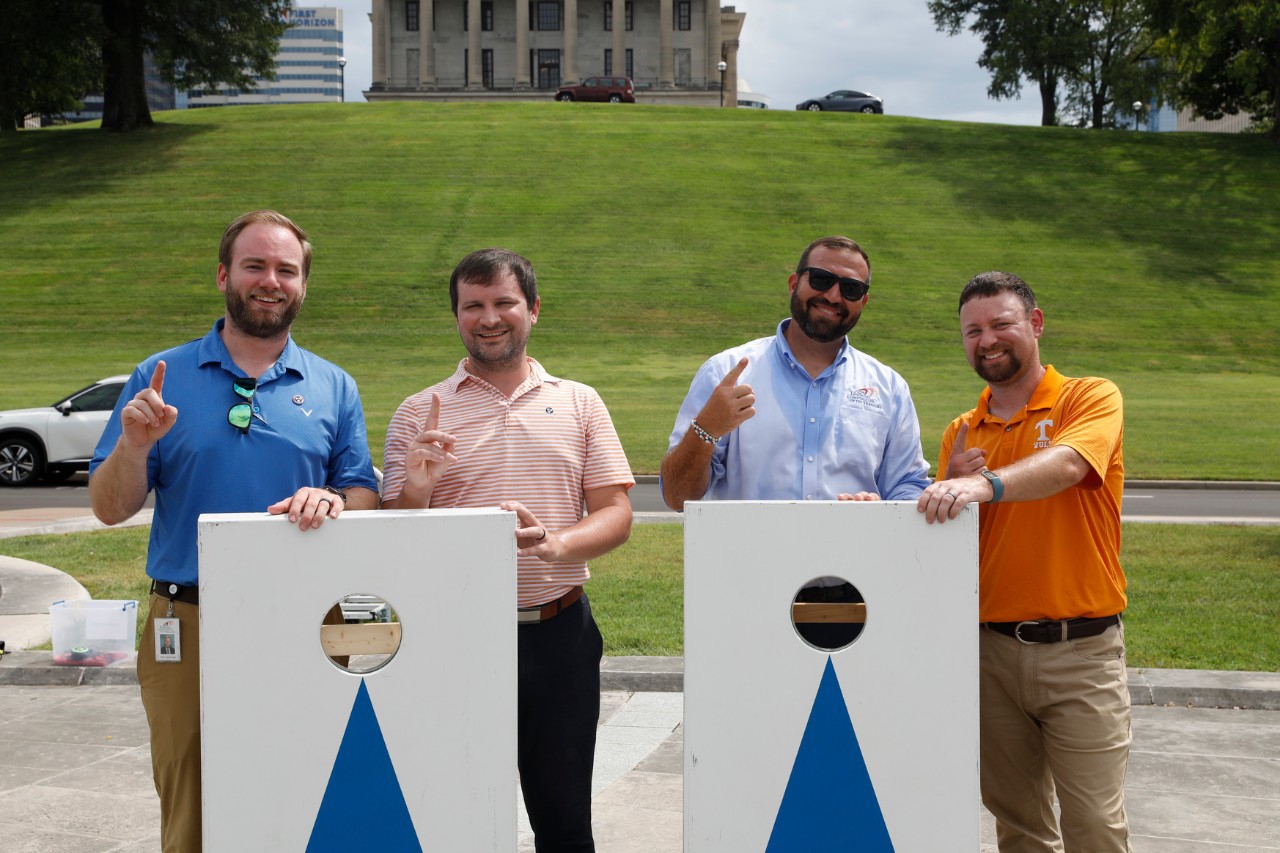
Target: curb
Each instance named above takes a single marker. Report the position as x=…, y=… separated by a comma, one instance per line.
x=1257, y=691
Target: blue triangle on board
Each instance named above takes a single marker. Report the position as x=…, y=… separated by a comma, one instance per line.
x=363, y=801
x=830, y=803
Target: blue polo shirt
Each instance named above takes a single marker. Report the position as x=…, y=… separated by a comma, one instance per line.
x=852, y=429
x=307, y=430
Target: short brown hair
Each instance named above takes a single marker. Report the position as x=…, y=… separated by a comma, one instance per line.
x=846, y=243
x=993, y=284
x=265, y=217
x=484, y=265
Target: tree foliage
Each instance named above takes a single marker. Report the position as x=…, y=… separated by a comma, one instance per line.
x=1116, y=68
x=1225, y=55
x=196, y=44
x=1041, y=40
x=49, y=57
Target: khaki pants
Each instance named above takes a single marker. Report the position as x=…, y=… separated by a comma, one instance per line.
x=171, y=698
x=1055, y=719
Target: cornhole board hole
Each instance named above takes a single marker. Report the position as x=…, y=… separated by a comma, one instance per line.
x=791, y=748
x=300, y=754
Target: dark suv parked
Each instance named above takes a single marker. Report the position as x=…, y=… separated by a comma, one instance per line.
x=615, y=90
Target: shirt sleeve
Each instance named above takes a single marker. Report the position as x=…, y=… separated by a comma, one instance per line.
x=404, y=426
x=606, y=463
x=350, y=464
x=141, y=378
x=704, y=382
x=1093, y=425
x=904, y=473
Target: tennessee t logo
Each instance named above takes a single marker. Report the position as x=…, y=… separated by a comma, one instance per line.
x=1043, y=427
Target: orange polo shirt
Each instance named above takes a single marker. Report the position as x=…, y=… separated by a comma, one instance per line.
x=1059, y=557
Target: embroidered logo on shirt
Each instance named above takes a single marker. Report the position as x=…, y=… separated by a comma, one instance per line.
x=298, y=400
x=1042, y=433
x=867, y=399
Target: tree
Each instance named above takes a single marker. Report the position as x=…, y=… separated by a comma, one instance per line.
x=1042, y=40
x=49, y=57
x=196, y=44
x=1116, y=67
x=1225, y=56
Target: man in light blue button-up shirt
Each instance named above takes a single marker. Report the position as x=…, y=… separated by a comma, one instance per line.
x=800, y=415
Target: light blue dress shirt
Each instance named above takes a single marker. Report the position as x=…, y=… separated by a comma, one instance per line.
x=852, y=429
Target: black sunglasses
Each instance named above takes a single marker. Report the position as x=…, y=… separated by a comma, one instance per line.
x=821, y=281
x=240, y=415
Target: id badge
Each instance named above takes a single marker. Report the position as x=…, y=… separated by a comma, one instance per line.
x=168, y=641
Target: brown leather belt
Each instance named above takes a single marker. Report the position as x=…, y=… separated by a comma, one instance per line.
x=543, y=612
x=176, y=592
x=1052, y=630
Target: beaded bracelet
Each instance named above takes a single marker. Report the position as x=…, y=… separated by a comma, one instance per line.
x=702, y=433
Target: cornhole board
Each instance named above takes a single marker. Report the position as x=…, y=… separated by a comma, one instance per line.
x=793, y=749
x=300, y=755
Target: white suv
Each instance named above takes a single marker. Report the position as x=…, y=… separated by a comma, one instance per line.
x=56, y=441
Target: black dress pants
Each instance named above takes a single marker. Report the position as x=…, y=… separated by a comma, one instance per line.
x=559, y=708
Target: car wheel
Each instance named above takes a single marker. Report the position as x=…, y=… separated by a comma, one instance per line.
x=868, y=109
x=21, y=462
x=615, y=99
x=564, y=97
x=814, y=108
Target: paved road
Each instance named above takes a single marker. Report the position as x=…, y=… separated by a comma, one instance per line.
x=1142, y=501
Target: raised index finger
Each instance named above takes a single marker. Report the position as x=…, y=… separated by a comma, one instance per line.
x=958, y=446
x=433, y=414
x=157, y=378
x=731, y=378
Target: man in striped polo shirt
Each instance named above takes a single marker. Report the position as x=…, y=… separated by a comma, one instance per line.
x=502, y=431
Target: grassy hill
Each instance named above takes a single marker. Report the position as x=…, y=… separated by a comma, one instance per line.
x=661, y=235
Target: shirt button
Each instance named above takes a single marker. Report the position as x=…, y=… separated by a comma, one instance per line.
x=1009, y=427
x=810, y=458
x=813, y=420
x=808, y=497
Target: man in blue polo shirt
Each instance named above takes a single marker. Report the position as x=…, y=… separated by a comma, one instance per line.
x=241, y=420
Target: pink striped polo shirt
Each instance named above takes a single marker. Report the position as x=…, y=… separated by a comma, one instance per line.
x=549, y=443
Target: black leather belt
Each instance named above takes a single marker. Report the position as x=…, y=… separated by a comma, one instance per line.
x=176, y=592
x=543, y=612
x=1052, y=630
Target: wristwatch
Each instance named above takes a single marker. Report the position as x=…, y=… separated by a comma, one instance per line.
x=339, y=492
x=997, y=487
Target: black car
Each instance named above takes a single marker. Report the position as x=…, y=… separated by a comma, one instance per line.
x=845, y=101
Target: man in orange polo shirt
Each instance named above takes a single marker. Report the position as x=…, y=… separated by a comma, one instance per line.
x=1042, y=453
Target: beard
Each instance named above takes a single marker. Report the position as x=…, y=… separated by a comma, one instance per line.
x=249, y=317
x=995, y=374
x=821, y=329
x=510, y=354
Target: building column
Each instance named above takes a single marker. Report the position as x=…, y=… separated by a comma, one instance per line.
x=731, y=74
x=426, y=45
x=666, y=58
x=475, y=71
x=522, y=45
x=619, y=38
x=381, y=20
x=569, y=64
x=713, y=43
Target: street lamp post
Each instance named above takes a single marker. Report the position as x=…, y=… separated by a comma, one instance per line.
x=342, y=78
x=722, y=67
x=1137, y=114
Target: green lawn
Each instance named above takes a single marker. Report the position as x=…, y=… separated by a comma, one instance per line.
x=660, y=236
x=1200, y=597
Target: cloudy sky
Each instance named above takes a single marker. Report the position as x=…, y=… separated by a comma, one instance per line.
x=797, y=49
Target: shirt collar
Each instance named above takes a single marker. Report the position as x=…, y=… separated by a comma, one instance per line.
x=1045, y=395
x=783, y=347
x=212, y=350
x=537, y=376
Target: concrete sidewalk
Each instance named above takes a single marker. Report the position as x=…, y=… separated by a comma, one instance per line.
x=75, y=775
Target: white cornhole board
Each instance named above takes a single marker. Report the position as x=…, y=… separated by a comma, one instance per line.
x=276, y=711
x=877, y=752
